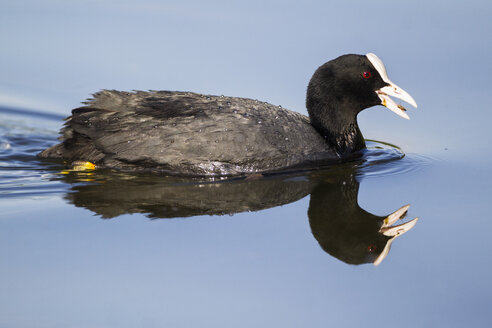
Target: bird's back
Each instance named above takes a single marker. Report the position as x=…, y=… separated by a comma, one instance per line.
x=188, y=133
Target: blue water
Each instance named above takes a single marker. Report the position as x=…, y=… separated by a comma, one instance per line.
x=107, y=249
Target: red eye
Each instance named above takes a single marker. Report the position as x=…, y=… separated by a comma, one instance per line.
x=371, y=248
x=366, y=75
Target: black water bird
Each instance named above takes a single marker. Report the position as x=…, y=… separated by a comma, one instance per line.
x=186, y=133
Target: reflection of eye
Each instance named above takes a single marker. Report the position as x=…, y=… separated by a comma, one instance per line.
x=371, y=248
x=366, y=75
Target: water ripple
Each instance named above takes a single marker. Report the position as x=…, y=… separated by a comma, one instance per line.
x=22, y=136
x=383, y=159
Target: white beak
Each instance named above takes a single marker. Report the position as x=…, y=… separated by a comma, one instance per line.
x=390, y=90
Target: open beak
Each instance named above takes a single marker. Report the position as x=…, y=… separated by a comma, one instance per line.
x=390, y=90
x=395, y=91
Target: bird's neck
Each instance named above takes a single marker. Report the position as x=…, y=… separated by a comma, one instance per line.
x=339, y=128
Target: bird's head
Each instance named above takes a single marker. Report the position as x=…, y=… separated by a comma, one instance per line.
x=351, y=83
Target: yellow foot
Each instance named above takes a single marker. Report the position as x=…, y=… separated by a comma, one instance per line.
x=80, y=166
x=83, y=166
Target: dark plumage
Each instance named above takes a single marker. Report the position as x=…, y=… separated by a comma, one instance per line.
x=191, y=134
x=342, y=228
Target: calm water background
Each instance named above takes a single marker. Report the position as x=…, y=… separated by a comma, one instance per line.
x=62, y=265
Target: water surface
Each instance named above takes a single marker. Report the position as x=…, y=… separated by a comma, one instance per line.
x=297, y=246
x=106, y=249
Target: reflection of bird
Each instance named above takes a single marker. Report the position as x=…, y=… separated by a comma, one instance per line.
x=341, y=227
x=348, y=232
x=174, y=197
x=192, y=134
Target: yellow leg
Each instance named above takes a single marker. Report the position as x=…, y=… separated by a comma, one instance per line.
x=83, y=166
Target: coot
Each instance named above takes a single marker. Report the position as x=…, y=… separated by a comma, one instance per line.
x=186, y=133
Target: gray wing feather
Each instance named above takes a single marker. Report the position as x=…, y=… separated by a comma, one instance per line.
x=184, y=132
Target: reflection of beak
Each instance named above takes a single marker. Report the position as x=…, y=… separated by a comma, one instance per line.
x=394, y=231
x=390, y=90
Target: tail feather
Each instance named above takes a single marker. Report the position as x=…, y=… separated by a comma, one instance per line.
x=55, y=151
x=78, y=147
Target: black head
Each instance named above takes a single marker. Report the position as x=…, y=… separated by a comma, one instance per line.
x=340, y=89
x=347, y=83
